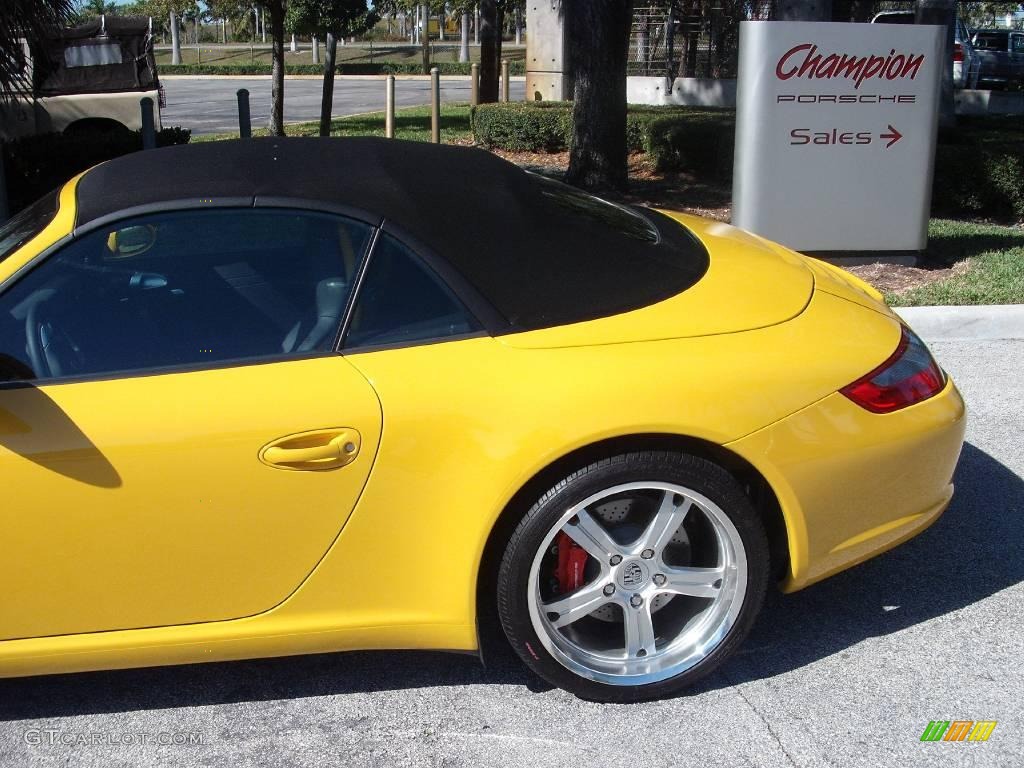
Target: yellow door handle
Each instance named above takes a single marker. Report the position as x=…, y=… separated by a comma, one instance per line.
x=321, y=449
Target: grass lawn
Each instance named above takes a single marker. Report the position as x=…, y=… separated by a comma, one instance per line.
x=993, y=274
x=412, y=123
x=361, y=54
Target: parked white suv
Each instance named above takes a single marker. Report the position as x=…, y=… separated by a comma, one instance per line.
x=966, y=62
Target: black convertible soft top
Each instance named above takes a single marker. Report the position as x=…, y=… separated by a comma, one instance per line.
x=540, y=253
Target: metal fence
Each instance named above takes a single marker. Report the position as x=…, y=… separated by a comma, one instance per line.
x=691, y=38
x=700, y=38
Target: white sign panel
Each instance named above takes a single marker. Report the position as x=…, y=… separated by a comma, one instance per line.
x=835, y=133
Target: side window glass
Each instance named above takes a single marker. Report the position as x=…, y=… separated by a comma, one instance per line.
x=182, y=289
x=402, y=301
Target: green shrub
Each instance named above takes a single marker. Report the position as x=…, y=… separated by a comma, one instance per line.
x=532, y=126
x=35, y=165
x=983, y=179
x=699, y=141
x=344, y=68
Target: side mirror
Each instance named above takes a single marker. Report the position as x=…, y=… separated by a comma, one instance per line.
x=129, y=242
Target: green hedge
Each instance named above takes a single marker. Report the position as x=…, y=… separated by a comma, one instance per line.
x=344, y=68
x=37, y=164
x=541, y=126
x=536, y=126
x=693, y=139
x=699, y=141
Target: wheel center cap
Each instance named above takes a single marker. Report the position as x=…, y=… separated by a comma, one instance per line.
x=633, y=575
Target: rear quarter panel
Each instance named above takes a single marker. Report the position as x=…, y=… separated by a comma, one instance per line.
x=468, y=423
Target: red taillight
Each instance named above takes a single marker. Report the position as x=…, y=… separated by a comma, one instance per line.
x=958, y=52
x=909, y=376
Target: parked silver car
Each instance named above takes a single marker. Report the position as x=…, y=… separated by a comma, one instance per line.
x=1001, y=52
x=966, y=63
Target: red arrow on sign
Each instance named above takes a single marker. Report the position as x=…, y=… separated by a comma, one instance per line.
x=893, y=137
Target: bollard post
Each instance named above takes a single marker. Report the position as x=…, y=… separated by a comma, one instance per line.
x=504, y=79
x=244, y=123
x=148, y=126
x=389, y=108
x=474, y=85
x=435, y=105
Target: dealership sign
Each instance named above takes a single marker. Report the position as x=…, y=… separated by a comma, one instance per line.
x=835, y=133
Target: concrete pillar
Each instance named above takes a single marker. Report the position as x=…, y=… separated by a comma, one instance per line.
x=546, y=53
x=464, y=42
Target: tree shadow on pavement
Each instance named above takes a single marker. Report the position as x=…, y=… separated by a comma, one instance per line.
x=970, y=553
x=950, y=244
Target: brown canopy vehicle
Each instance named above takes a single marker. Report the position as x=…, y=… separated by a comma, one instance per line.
x=89, y=77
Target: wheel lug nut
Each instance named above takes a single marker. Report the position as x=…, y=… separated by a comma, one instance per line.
x=636, y=601
x=647, y=554
x=609, y=589
x=616, y=559
x=659, y=579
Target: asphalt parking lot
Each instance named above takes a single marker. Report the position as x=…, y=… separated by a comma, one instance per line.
x=846, y=673
x=209, y=104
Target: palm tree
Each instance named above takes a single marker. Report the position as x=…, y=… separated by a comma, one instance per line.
x=28, y=19
x=92, y=8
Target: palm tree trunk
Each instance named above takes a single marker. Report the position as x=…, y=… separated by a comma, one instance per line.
x=464, y=45
x=277, y=69
x=175, y=40
x=327, y=102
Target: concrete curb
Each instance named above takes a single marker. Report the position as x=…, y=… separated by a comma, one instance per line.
x=972, y=323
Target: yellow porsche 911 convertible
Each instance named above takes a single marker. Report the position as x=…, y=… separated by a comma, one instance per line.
x=275, y=397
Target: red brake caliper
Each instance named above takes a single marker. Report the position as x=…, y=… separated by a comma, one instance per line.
x=572, y=559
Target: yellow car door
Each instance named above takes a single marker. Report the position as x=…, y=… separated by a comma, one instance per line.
x=179, y=440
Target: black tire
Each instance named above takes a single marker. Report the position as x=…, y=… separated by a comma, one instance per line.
x=698, y=474
x=97, y=127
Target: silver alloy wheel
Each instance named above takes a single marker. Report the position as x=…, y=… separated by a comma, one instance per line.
x=641, y=616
